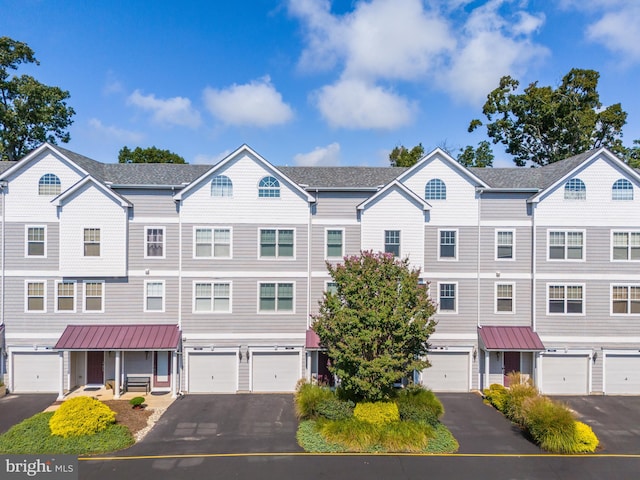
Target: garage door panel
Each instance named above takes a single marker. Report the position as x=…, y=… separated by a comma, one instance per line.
x=565, y=375
x=213, y=372
x=622, y=374
x=449, y=372
x=275, y=372
x=36, y=372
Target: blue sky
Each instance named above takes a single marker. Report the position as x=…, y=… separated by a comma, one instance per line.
x=312, y=82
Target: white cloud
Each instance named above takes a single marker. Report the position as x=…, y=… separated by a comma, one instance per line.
x=115, y=132
x=256, y=103
x=320, y=156
x=619, y=31
x=170, y=111
x=354, y=104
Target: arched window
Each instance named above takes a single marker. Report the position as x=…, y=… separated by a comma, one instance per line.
x=574, y=189
x=221, y=186
x=49, y=184
x=269, y=187
x=435, y=189
x=622, y=190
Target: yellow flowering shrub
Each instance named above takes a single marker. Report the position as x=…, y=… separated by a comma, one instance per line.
x=377, y=413
x=81, y=416
x=585, y=439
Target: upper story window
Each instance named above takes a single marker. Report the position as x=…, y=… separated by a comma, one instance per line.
x=36, y=297
x=447, y=300
x=392, y=242
x=448, y=244
x=212, y=297
x=626, y=246
x=94, y=296
x=625, y=299
x=154, y=296
x=212, y=242
x=335, y=243
x=566, y=299
x=504, y=245
x=91, y=242
x=36, y=242
x=504, y=297
x=276, y=243
x=435, y=189
x=221, y=186
x=49, y=184
x=154, y=242
x=622, y=189
x=66, y=296
x=574, y=189
x=566, y=245
x=269, y=187
x=276, y=297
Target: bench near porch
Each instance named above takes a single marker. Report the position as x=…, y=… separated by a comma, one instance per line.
x=138, y=382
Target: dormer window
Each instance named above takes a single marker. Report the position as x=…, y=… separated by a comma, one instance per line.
x=574, y=189
x=435, y=189
x=269, y=187
x=221, y=186
x=622, y=190
x=49, y=184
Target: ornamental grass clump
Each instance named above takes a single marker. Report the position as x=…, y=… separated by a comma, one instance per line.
x=419, y=404
x=496, y=395
x=81, y=416
x=377, y=413
x=308, y=398
x=519, y=392
x=551, y=424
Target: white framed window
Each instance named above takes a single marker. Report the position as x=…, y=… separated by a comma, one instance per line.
x=566, y=245
x=276, y=297
x=565, y=299
x=392, y=242
x=505, y=245
x=49, y=185
x=622, y=189
x=209, y=242
x=447, y=297
x=36, y=244
x=277, y=243
x=505, y=298
x=91, y=242
x=94, y=296
x=625, y=299
x=334, y=238
x=154, y=239
x=269, y=187
x=35, y=296
x=625, y=246
x=575, y=189
x=65, y=296
x=435, y=189
x=448, y=244
x=154, y=296
x=221, y=186
x=211, y=297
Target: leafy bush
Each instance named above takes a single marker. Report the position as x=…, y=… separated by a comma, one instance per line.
x=308, y=397
x=551, y=424
x=496, y=395
x=377, y=413
x=419, y=405
x=586, y=440
x=81, y=416
x=514, y=401
x=335, y=409
x=136, y=401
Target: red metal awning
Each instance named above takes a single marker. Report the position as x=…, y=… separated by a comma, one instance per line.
x=510, y=338
x=119, y=337
x=313, y=341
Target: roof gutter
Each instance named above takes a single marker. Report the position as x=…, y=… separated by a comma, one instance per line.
x=146, y=187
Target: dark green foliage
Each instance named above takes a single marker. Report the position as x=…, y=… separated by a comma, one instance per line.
x=403, y=157
x=419, y=405
x=477, y=157
x=136, y=401
x=148, y=155
x=335, y=409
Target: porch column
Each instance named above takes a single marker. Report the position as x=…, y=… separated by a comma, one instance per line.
x=308, y=366
x=174, y=374
x=116, y=386
x=487, y=361
x=61, y=384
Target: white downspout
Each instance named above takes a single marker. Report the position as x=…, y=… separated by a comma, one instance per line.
x=3, y=186
x=118, y=368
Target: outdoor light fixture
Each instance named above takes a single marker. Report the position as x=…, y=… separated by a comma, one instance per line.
x=239, y=355
x=475, y=354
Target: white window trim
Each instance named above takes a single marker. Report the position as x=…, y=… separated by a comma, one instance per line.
x=26, y=296
x=566, y=246
x=513, y=245
x=211, y=310
x=26, y=241
x=326, y=243
x=513, y=298
x=92, y=227
x=84, y=296
x=145, y=297
x=620, y=284
x=565, y=285
x=212, y=228
x=455, y=310
x=146, y=242
x=276, y=311
x=629, y=260
x=384, y=243
x=75, y=296
x=455, y=257
x=277, y=257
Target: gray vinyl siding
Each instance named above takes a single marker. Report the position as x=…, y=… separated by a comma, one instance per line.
x=351, y=243
x=467, y=250
x=466, y=318
x=522, y=251
x=338, y=204
x=15, y=247
x=522, y=303
x=146, y=203
x=501, y=206
x=137, y=238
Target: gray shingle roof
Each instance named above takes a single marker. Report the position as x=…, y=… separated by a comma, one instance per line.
x=342, y=177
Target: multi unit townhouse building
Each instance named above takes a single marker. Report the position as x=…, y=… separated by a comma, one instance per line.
x=204, y=278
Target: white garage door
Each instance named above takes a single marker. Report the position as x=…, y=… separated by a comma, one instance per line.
x=622, y=374
x=275, y=372
x=36, y=372
x=565, y=375
x=449, y=372
x=213, y=372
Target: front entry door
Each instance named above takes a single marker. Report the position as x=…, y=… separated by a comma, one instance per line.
x=162, y=369
x=95, y=368
x=511, y=364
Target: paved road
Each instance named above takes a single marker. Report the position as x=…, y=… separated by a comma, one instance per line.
x=16, y=408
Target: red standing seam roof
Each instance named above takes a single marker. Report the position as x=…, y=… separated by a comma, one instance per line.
x=510, y=338
x=312, y=340
x=119, y=337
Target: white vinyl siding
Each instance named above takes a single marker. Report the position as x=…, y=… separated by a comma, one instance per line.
x=36, y=244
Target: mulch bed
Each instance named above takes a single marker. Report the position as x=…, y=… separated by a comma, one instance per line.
x=134, y=420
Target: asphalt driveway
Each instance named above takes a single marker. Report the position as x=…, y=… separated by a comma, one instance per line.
x=16, y=408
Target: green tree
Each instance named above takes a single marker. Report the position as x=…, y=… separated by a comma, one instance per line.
x=30, y=112
x=402, y=157
x=631, y=155
x=375, y=327
x=148, y=155
x=544, y=125
x=477, y=157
